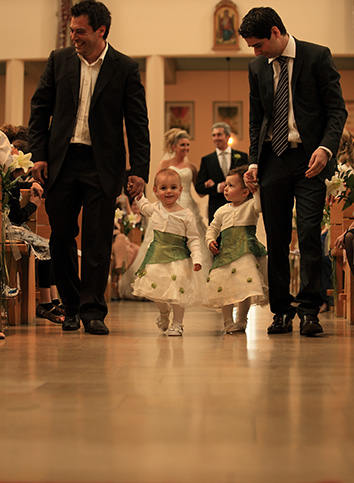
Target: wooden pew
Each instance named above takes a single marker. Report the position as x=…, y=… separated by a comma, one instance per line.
x=343, y=294
x=21, y=309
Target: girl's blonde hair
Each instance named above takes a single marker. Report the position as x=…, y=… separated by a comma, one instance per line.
x=345, y=153
x=172, y=137
x=168, y=172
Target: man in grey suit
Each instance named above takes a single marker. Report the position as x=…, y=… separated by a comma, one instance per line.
x=77, y=142
x=297, y=115
x=212, y=174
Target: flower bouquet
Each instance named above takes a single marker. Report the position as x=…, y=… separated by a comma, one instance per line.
x=341, y=185
x=126, y=221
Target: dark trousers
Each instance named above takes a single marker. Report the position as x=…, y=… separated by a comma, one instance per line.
x=76, y=186
x=282, y=179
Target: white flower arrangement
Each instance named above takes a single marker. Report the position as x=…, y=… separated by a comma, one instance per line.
x=341, y=185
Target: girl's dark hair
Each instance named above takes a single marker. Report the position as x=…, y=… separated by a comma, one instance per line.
x=240, y=171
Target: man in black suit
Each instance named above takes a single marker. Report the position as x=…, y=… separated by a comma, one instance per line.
x=291, y=159
x=77, y=143
x=215, y=166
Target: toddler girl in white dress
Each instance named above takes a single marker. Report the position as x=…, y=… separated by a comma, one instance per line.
x=168, y=274
x=239, y=272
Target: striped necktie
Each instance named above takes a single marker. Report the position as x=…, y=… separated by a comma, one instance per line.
x=224, y=166
x=281, y=109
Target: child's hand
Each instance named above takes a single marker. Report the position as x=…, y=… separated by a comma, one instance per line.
x=197, y=267
x=37, y=190
x=213, y=247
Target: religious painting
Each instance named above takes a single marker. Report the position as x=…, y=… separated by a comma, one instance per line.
x=231, y=113
x=226, y=24
x=180, y=115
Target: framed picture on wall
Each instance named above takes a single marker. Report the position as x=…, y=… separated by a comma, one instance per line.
x=231, y=113
x=180, y=114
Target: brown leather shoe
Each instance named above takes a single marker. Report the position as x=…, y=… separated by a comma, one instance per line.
x=96, y=327
x=282, y=323
x=310, y=325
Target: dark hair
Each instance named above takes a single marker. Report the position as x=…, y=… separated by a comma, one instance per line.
x=21, y=145
x=259, y=22
x=10, y=130
x=97, y=13
x=240, y=171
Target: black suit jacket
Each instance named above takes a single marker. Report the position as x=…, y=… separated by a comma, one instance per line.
x=210, y=169
x=118, y=95
x=318, y=104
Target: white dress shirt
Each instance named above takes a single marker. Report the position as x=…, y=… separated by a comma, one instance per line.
x=88, y=79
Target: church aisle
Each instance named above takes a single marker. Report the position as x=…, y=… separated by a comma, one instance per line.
x=139, y=407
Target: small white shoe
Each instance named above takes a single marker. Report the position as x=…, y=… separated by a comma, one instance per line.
x=163, y=321
x=175, y=329
x=241, y=325
x=231, y=327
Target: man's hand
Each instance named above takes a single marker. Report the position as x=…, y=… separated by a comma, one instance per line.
x=209, y=183
x=317, y=163
x=221, y=186
x=250, y=179
x=40, y=171
x=135, y=186
x=213, y=247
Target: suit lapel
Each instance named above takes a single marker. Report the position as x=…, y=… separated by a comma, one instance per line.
x=298, y=61
x=269, y=97
x=73, y=74
x=108, y=69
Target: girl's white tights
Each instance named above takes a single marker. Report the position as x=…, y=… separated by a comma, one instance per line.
x=178, y=311
x=241, y=314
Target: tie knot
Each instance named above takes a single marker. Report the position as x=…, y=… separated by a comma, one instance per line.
x=282, y=60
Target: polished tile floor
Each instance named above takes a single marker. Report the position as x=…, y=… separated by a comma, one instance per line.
x=139, y=407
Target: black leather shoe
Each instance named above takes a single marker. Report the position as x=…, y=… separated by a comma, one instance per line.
x=309, y=325
x=96, y=327
x=71, y=322
x=282, y=323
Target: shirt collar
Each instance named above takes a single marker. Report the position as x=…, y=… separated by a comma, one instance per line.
x=227, y=150
x=99, y=60
x=289, y=51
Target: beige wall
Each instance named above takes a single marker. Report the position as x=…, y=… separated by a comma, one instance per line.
x=145, y=27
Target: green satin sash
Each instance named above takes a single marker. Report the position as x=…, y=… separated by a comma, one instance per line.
x=165, y=248
x=235, y=242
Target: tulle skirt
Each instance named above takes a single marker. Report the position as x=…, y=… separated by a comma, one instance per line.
x=174, y=282
x=238, y=280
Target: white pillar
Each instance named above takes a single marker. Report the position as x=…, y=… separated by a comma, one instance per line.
x=14, y=91
x=155, y=97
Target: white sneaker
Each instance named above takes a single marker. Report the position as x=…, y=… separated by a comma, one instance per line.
x=163, y=321
x=175, y=329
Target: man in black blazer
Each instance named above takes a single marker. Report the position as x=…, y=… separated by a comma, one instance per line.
x=77, y=143
x=211, y=178
x=314, y=113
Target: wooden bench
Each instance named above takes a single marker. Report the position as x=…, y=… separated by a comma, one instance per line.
x=343, y=293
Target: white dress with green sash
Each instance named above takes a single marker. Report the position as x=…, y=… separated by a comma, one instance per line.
x=166, y=273
x=239, y=270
